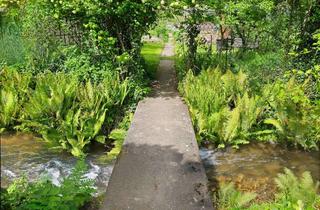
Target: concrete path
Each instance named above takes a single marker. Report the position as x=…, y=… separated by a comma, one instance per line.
x=159, y=166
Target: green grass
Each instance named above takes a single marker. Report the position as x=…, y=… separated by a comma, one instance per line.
x=151, y=52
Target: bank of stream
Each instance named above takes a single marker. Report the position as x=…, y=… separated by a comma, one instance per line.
x=253, y=167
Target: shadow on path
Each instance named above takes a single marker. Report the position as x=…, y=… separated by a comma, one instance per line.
x=151, y=180
x=159, y=166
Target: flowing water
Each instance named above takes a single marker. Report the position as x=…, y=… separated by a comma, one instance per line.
x=253, y=167
x=23, y=154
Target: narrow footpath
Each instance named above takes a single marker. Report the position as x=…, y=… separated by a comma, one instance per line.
x=159, y=167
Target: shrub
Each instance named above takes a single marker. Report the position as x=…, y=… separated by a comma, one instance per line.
x=11, y=44
x=261, y=68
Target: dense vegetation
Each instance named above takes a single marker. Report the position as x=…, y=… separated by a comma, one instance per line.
x=226, y=111
x=266, y=89
x=66, y=113
x=73, y=71
x=68, y=72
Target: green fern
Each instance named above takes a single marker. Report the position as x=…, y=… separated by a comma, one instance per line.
x=225, y=111
x=292, y=114
x=232, y=124
x=72, y=114
x=294, y=191
x=8, y=107
x=221, y=109
x=66, y=112
x=13, y=89
x=51, y=99
x=230, y=198
x=275, y=123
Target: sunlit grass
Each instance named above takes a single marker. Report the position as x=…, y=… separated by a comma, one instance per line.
x=151, y=52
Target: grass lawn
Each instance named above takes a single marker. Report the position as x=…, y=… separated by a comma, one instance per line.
x=151, y=52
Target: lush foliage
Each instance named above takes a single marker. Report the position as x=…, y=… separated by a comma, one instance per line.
x=220, y=107
x=275, y=25
x=68, y=113
x=278, y=40
x=161, y=30
x=12, y=51
x=226, y=111
x=293, y=193
x=13, y=91
x=73, y=193
x=292, y=114
x=78, y=38
x=49, y=28
x=71, y=71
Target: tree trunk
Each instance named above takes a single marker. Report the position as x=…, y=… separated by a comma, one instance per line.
x=193, y=32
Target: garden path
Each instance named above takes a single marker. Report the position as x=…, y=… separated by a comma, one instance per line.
x=159, y=166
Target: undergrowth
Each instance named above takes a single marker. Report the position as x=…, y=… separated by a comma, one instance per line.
x=67, y=113
x=226, y=111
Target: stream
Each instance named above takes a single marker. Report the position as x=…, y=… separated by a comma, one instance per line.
x=23, y=154
x=252, y=167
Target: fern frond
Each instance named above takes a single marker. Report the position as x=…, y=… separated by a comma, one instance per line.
x=230, y=198
x=275, y=123
x=232, y=124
